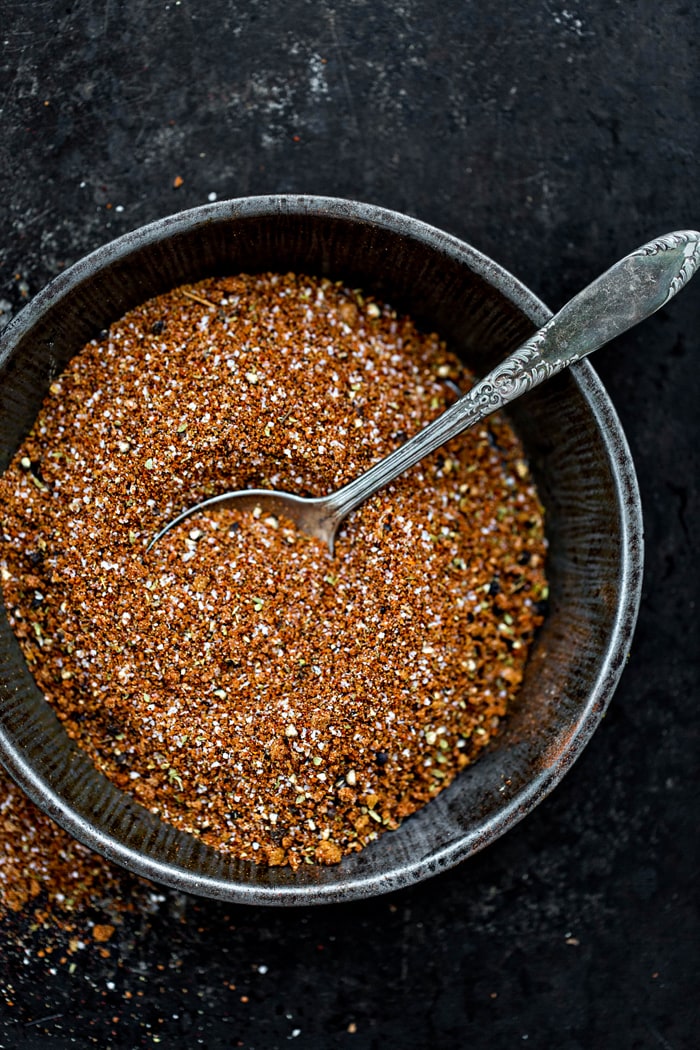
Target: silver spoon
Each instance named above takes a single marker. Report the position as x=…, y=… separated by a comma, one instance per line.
x=624, y=295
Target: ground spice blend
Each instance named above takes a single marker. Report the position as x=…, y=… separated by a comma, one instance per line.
x=62, y=895
x=285, y=705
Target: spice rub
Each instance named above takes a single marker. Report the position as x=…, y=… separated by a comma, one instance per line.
x=282, y=704
x=69, y=894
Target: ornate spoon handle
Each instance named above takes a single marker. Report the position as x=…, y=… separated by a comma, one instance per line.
x=624, y=295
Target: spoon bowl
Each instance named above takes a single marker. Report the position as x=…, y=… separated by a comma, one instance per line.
x=314, y=516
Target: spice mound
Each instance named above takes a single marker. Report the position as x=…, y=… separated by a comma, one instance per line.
x=283, y=705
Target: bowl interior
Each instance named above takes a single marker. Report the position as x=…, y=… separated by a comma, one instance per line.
x=579, y=458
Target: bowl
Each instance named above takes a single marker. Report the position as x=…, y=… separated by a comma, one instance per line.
x=580, y=461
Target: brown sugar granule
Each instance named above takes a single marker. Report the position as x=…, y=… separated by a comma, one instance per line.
x=103, y=932
x=282, y=704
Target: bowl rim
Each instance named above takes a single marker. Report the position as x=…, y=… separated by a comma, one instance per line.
x=631, y=558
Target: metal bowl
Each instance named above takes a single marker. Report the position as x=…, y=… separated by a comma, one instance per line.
x=580, y=461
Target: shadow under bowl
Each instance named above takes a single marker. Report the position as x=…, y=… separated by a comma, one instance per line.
x=580, y=462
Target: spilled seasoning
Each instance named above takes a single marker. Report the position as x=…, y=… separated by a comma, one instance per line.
x=55, y=888
x=284, y=705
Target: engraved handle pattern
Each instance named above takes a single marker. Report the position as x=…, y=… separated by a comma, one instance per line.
x=687, y=240
x=624, y=295
x=524, y=369
x=627, y=293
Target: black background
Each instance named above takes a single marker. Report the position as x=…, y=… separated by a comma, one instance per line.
x=555, y=138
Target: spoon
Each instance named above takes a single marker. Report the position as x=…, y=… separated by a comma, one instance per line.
x=624, y=295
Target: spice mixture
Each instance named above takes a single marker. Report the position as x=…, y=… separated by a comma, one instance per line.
x=73, y=896
x=284, y=705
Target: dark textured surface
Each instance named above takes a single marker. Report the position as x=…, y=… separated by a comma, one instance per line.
x=555, y=139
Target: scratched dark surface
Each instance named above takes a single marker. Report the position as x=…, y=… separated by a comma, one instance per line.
x=555, y=138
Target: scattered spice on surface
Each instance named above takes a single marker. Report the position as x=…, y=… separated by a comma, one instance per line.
x=68, y=894
x=283, y=705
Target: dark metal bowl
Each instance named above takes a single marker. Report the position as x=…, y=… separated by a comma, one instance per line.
x=581, y=464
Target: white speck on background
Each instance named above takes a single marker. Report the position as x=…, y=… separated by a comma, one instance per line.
x=317, y=76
